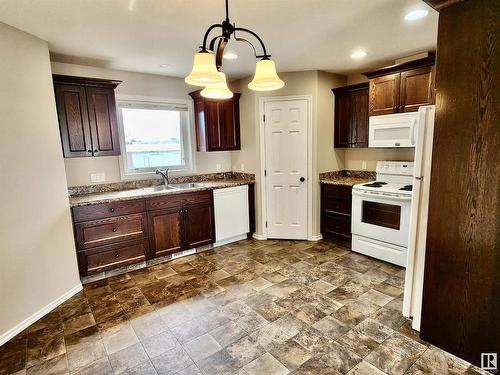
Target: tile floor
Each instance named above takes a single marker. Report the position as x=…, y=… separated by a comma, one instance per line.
x=249, y=308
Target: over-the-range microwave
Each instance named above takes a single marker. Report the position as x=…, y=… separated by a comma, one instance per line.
x=398, y=130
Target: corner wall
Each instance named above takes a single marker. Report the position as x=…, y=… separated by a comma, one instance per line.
x=37, y=257
x=325, y=158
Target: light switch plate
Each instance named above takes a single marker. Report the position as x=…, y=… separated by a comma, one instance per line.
x=218, y=167
x=363, y=165
x=242, y=167
x=97, y=177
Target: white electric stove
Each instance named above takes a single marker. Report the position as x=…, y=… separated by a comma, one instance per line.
x=381, y=213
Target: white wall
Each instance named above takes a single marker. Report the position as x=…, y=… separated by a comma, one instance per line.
x=37, y=252
x=78, y=170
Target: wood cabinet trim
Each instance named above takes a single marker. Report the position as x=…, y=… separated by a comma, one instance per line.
x=84, y=81
x=398, y=68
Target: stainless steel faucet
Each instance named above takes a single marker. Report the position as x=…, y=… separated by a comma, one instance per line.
x=164, y=175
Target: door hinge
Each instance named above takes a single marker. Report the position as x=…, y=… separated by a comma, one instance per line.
x=264, y=118
x=265, y=172
x=266, y=224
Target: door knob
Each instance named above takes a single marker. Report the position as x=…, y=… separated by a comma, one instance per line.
x=302, y=179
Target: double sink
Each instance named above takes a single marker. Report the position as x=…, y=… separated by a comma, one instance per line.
x=172, y=187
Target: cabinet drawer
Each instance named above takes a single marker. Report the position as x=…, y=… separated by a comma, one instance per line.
x=112, y=256
x=178, y=200
x=104, y=210
x=336, y=225
x=336, y=206
x=336, y=191
x=104, y=231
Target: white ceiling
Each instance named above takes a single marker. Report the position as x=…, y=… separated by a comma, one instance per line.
x=141, y=35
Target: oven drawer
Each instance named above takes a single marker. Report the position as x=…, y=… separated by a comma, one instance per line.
x=105, y=231
x=335, y=225
x=107, y=257
x=104, y=210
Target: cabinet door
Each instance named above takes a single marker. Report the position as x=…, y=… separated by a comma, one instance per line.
x=73, y=120
x=360, y=118
x=213, y=126
x=103, y=122
x=230, y=123
x=165, y=231
x=416, y=89
x=199, y=226
x=384, y=94
x=343, y=120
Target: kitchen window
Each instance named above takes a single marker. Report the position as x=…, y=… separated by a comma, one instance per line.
x=153, y=135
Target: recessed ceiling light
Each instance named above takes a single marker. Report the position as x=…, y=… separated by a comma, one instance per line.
x=164, y=65
x=359, y=54
x=416, y=14
x=230, y=55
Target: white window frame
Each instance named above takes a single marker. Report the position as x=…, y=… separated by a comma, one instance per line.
x=186, y=135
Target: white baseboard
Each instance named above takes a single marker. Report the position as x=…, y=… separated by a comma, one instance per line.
x=4, y=337
x=259, y=237
x=225, y=241
x=315, y=238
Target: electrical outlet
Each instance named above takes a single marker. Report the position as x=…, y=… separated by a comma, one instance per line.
x=218, y=167
x=363, y=165
x=242, y=167
x=97, y=177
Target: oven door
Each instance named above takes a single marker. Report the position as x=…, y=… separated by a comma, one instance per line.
x=381, y=217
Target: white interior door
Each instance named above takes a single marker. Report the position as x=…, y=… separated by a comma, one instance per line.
x=286, y=123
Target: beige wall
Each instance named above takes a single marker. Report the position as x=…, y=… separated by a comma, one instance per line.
x=316, y=84
x=78, y=170
x=354, y=158
x=37, y=256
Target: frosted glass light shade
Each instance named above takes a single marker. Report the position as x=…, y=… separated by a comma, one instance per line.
x=204, y=70
x=265, y=78
x=217, y=90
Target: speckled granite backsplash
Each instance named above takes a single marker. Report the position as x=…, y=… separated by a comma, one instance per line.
x=138, y=184
x=346, y=177
x=348, y=173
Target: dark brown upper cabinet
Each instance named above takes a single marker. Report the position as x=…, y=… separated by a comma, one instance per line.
x=86, y=109
x=351, y=116
x=402, y=88
x=217, y=123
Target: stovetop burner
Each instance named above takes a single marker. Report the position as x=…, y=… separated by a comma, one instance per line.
x=376, y=184
x=407, y=188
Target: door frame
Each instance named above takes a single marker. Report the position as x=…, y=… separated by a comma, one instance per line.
x=262, y=139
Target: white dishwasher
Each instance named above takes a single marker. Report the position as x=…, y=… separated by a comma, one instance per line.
x=231, y=214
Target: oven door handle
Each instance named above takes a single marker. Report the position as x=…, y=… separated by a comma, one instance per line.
x=382, y=196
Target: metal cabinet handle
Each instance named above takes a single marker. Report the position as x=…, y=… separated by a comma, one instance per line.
x=112, y=209
x=114, y=229
x=89, y=151
x=302, y=179
x=117, y=255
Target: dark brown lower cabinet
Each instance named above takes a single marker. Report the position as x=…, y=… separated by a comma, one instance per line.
x=461, y=299
x=145, y=229
x=336, y=204
x=199, y=226
x=165, y=228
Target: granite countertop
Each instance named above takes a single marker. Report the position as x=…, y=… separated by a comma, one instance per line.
x=106, y=193
x=346, y=177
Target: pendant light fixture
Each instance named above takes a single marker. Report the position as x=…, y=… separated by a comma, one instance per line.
x=217, y=90
x=207, y=65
